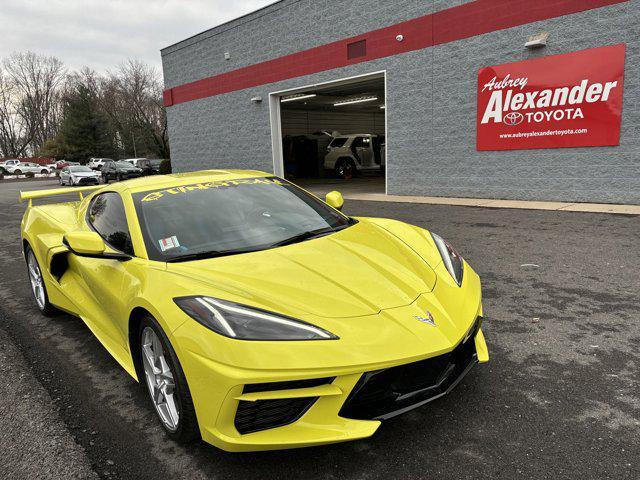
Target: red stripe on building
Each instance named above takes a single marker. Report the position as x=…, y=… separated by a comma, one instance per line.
x=464, y=21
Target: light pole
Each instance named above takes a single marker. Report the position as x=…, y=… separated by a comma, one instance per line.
x=133, y=138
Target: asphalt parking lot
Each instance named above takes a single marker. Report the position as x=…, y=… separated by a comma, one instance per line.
x=560, y=397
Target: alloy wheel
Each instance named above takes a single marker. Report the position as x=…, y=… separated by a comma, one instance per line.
x=35, y=277
x=160, y=381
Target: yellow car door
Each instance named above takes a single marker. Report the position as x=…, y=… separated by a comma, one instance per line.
x=101, y=282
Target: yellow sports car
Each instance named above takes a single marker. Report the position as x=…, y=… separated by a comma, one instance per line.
x=258, y=316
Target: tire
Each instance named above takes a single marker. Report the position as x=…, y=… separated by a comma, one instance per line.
x=345, y=168
x=38, y=288
x=17, y=172
x=119, y=177
x=44, y=172
x=185, y=429
x=105, y=178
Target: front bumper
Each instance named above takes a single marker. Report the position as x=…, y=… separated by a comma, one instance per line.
x=336, y=407
x=128, y=175
x=86, y=181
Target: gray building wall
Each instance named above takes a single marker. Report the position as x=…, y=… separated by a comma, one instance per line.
x=431, y=100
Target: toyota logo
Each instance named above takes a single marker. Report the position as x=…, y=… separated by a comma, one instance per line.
x=514, y=118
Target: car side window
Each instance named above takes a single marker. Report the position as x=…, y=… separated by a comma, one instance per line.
x=338, y=142
x=358, y=142
x=107, y=216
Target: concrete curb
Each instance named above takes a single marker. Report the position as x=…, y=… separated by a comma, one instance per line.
x=487, y=203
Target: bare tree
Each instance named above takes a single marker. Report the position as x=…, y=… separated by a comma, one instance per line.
x=13, y=135
x=132, y=98
x=30, y=106
x=34, y=90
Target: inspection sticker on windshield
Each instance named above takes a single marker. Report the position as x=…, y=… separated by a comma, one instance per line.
x=168, y=243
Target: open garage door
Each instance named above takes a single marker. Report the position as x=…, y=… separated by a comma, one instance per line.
x=333, y=135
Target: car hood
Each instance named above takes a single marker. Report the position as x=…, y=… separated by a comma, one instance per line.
x=358, y=271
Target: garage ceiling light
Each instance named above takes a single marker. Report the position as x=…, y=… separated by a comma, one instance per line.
x=293, y=98
x=355, y=100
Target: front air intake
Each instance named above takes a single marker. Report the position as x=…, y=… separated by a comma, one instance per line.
x=265, y=414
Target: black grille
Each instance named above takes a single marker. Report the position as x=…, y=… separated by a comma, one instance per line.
x=386, y=393
x=265, y=414
x=88, y=181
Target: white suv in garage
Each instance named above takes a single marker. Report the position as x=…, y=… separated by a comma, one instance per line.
x=349, y=154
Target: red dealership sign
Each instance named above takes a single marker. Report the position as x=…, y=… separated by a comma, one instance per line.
x=569, y=100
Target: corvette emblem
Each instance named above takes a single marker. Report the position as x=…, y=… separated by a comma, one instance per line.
x=428, y=318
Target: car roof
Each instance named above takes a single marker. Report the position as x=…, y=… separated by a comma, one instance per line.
x=143, y=184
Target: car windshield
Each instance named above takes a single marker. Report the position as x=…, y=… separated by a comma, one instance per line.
x=218, y=218
x=123, y=164
x=79, y=168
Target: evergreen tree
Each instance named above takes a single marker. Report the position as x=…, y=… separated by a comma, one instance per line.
x=85, y=129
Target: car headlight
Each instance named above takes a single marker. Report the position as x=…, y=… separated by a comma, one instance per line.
x=246, y=323
x=452, y=259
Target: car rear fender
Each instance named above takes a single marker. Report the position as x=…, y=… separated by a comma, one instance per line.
x=43, y=233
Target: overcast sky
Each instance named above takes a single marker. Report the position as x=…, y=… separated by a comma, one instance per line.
x=103, y=33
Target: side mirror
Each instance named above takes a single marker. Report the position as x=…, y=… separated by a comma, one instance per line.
x=90, y=244
x=335, y=200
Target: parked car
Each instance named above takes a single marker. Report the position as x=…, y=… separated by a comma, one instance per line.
x=134, y=161
x=23, y=167
x=8, y=163
x=79, y=175
x=149, y=166
x=349, y=154
x=296, y=325
x=119, y=170
x=97, y=163
x=60, y=164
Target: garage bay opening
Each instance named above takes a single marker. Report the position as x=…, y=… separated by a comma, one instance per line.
x=334, y=135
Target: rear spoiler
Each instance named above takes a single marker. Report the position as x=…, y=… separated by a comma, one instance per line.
x=56, y=191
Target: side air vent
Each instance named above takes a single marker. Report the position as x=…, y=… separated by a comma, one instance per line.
x=59, y=265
